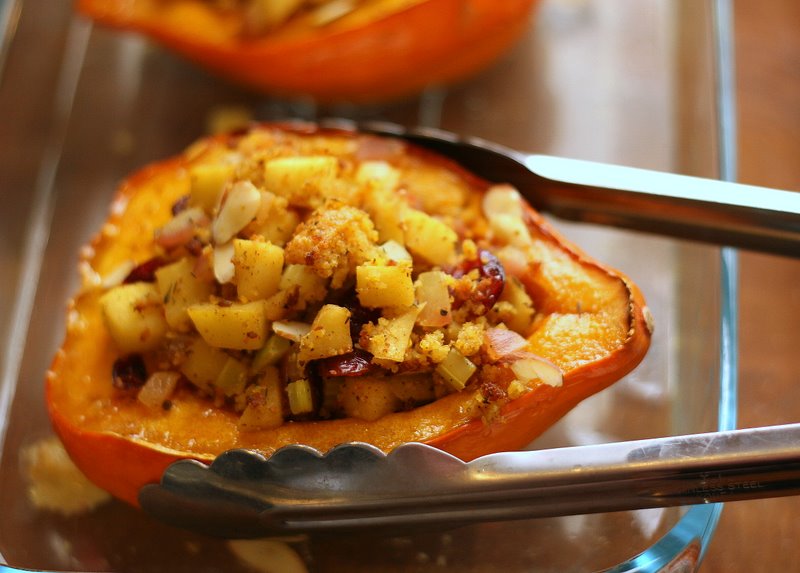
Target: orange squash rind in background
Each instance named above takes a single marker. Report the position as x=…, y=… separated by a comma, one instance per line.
x=383, y=50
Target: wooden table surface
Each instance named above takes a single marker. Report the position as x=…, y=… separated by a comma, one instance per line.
x=762, y=535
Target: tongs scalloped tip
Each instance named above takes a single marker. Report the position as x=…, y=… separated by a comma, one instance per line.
x=244, y=494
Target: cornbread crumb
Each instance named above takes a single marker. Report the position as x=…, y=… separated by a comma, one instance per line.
x=433, y=347
x=55, y=484
x=267, y=556
x=470, y=338
x=333, y=242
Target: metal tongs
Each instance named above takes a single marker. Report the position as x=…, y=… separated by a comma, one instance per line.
x=355, y=486
x=708, y=210
x=243, y=494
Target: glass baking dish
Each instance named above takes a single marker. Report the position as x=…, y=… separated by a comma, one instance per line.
x=625, y=81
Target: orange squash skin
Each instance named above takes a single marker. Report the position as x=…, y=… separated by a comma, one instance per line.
x=432, y=42
x=120, y=445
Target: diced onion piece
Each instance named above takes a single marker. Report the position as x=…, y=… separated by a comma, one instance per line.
x=239, y=207
x=203, y=268
x=433, y=296
x=117, y=275
x=300, y=400
x=530, y=367
x=158, y=389
x=502, y=205
x=501, y=342
x=428, y=237
x=291, y=330
x=267, y=555
x=224, y=269
x=456, y=369
x=331, y=11
x=181, y=229
x=502, y=200
x=514, y=260
x=396, y=252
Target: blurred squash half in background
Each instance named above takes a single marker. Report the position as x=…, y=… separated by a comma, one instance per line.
x=330, y=50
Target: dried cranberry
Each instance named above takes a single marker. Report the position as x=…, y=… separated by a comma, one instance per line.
x=129, y=372
x=355, y=363
x=491, y=281
x=359, y=315
x=180, y=205
x=145, y=272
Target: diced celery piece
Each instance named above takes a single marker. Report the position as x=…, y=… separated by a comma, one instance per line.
x=300, y=400
x=271, y=353
x=233, y=377
x=456, y=369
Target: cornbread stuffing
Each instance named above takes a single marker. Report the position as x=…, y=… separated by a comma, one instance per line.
x=316, y=276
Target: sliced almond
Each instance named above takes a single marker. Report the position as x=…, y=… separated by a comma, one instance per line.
x=239, y=207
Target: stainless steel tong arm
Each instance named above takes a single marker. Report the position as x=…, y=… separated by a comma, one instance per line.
x=243, y=494
x=681, y=206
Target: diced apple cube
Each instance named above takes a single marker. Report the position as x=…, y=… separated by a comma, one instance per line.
x=386, y=209
x=258, y=269
x=180, y=288
x=378, y=175
x=207, y=183
x=433, y=297
x=309, y=286
x=390, y=337
x=412, y=389
x=158, y=389
x=299, y=287
x=134, y=316
x=238, y=326
x=264, y=403
x=429, y=237
x=384, y=286
x=329, y=335
x=274, y=221
x=203, y=364
x=302, y=180
x=367, y=398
